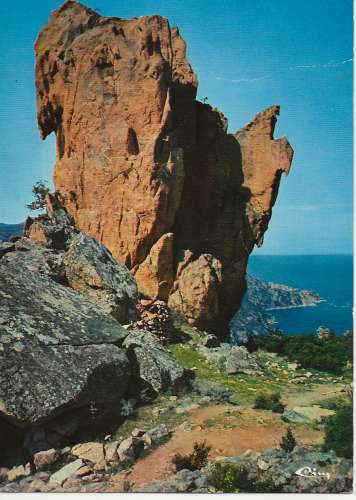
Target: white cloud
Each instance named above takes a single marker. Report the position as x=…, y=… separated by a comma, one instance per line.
x=330, y=64
x=307, y=208
x=244, y=80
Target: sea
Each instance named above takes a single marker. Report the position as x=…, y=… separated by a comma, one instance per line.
x=331, y=276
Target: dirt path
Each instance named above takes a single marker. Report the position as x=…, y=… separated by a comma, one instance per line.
x=295, y=397
x=228, y=430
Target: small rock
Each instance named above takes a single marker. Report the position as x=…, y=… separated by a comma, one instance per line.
x=187, y=408
x=37, y=485
x=292, y=367
x=100, y=466
x=130, y=448
x=111, y=451
x=59, y=477
x=44, y=459
x=201, y=481
x=263, y=465
x=17, y=472
x=3, y=474
x=155, y=434
x=137, y=432
x=92, y=451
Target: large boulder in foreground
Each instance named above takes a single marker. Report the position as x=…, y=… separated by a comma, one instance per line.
x=59, y=351
x=91, y=269
x=134, y=166
x=155, y=369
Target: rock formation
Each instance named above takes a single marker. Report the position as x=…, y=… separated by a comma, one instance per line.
x=148, y=170
x=65, y=369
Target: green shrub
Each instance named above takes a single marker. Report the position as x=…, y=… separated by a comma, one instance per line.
x=288, y=442
x=269, y=402
x=196, y=460
x=271, y=343
x=339, y=431
x=40, y=191
x=230, y=478
x=330, y=355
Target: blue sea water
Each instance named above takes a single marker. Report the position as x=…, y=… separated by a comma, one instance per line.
x=329, y=275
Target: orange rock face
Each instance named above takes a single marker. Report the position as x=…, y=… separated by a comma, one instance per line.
x=144, y=167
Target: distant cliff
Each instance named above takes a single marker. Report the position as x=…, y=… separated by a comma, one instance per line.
x=147, y=169
x=255, y=317
x=8, y=230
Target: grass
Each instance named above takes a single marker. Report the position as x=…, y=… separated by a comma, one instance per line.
x=240, y=385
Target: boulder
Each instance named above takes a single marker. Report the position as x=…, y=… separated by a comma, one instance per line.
x=132, y=167
x=299, y=471
x=307, y=414
x=54, y=229
x=154, y=435
x=110, y=449
x=17, y=472
x=155, y=369
x=232, y=359
x=239, y=360
x=44, y=459
x=92, y=451
x=59, y=477
x=130, y=449
x=58, y=351
x=91, y=269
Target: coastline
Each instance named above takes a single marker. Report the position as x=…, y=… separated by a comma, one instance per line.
x=296, y=306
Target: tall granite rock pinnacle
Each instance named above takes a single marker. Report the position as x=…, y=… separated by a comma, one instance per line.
x=146, y=168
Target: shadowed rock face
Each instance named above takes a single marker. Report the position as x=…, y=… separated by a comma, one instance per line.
x=138, y=157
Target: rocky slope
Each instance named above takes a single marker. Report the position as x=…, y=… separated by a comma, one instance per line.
x=68, y=367
x=147, y=169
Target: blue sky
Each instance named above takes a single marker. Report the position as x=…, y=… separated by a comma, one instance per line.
x=248, y=55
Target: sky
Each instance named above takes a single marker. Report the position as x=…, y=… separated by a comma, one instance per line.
x=248, y=55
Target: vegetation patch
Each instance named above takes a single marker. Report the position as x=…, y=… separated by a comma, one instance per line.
x=330, y=355
x=339, y=431
x=235, y=479
x=195, y=460
x=269, y=402
x=288, y=442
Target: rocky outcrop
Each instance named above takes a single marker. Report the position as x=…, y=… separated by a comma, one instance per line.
x=231, y=359
x=64, y=369
x=275, y=470
x=54, y=229
x=58, y=350
x=91, y=269
x=139, y=159
x=196, y=290
x=155, y=275
x=155, y=370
